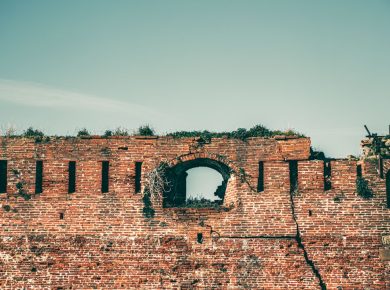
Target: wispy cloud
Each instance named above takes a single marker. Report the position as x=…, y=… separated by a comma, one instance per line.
x=40, y=95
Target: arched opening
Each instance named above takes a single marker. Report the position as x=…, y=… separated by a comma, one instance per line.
x=196, y=183
x=202, y=183
x=388, y=188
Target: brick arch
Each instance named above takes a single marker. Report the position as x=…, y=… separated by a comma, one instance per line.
x=177, y=174
x=205, y=155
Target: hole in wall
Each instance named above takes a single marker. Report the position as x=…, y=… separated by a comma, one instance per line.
x=260, y=179
x=310, y=212
x=199, y=238
x=72, y=177
x=105, y=176
x=61, y=215
x=380, y=168
x=199, y=183
x=293, y=169
x=327, y=176
x=138, y=172
x=3, y=176
x=203, y=183
x=359, y=170
x=38, y=176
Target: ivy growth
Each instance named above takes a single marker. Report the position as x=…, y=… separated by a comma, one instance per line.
x=148, y=210
x=6, y=207
x=21, y=191
x=363, y=189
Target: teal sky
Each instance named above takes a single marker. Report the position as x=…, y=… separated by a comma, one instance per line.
x=320, y=67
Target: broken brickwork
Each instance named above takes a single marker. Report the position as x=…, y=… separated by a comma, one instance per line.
x=277, y=238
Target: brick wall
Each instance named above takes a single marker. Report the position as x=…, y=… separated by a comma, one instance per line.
x=263, y=240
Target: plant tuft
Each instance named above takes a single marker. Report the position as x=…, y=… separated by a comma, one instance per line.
x=145, y=130
x=34, y=133
x=117, y=132
x=83, y=132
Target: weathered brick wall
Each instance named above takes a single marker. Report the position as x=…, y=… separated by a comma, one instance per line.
x=264, y=240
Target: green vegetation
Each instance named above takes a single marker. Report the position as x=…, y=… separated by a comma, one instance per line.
x=202, y=203
x=21, y=191
x=6, y=208
x=362, y=188
x=117, y=132
x=36, y=134
x=83, y=133
x=145, y=130
x=148, y=210
x=31, y=132
x=240, y=133
x=316, y=154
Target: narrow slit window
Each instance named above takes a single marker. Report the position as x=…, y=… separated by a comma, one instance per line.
x=3, y=176
x=72, y=177
x=105, y=176
x=38, y=176
x=380, y=168
x=199, y=238
x=260, y=180
x=138, y=171
x=327, y=176
x=359, y=170
x=293, y=166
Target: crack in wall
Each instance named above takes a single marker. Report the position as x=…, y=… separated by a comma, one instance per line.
x=298, y=238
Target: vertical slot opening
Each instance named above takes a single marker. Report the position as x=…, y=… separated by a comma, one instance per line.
x=359, y=170
x=260, y=180
x=380, y=167
x=293, y=166
x=38, y=176
x=72, y=177
x=105, y=176
x=199, y=238
x=327, y=176
x=138, y=171
x=3, y=176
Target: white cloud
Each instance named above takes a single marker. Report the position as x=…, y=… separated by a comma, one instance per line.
x=39, y=95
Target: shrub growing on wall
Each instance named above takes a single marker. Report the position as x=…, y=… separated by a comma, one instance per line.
x=240, y=133
x=83, y=132
x=33, y=133
x=145, y=130
x=362, y=188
